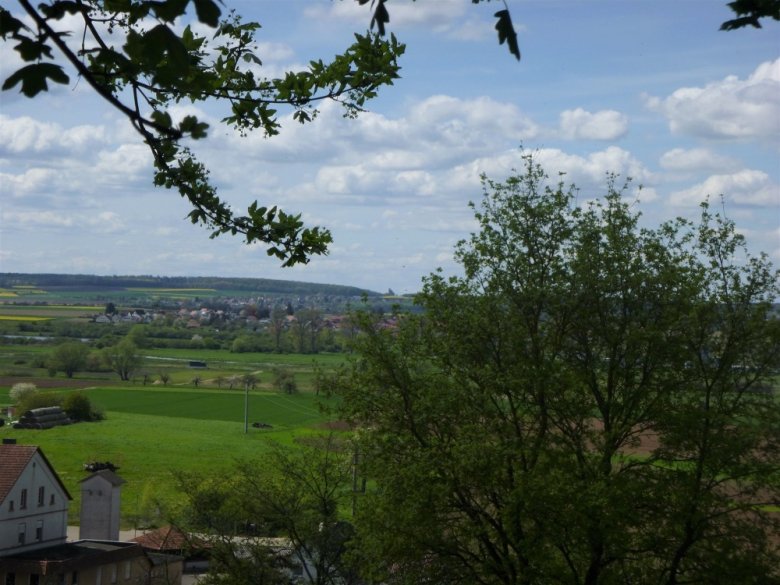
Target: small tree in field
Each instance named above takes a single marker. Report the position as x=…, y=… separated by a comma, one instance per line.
x=22, y=391
x=123, y=358
x=69, y=357
x=284, y=381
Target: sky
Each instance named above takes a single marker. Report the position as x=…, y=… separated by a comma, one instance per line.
x=647, y=89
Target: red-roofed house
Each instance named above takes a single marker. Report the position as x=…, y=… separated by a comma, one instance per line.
x=33, y=534
x=33, y=501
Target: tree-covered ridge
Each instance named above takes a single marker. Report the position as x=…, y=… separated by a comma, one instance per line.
x=253, y=285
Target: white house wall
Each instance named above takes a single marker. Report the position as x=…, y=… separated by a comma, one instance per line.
x=36, y=524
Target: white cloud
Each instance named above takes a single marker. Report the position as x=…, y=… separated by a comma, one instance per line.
x=439, y=16
x=105, y=222
x=25, y=134
x=729, y=109
x=696, y=159
x=29, y=182
x=601, y=125
x=745, y=187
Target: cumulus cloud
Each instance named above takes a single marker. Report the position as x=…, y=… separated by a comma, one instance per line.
x=745, y=187
x=696, y=159
x=732, y=108
x=601, y=125
x=25, y=134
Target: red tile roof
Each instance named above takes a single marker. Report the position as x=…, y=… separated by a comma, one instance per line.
x=167, y=538
x=13, y=459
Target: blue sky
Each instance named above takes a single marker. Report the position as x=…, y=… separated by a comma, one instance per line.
x=645, y=88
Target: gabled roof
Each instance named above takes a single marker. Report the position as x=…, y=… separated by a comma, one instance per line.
x=13, y=461
x=167, y=538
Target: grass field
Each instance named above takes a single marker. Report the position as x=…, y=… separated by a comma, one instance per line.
x=152, y=433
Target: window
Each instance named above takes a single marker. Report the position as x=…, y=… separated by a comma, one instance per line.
x=41, y=494
x=74, y=578
x=39, y=530
x=127, y=570
x=113, y=573
x=10, y=579
x=35, y=579
x=22, y=532
x=23, y=500
x=99, y=576
x=51, y=500
x=11, y=506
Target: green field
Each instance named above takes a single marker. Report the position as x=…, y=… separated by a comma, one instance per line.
x=152, y=433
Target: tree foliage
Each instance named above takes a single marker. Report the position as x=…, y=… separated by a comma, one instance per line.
x=123, y=358
x=277, y=514
x=69, y=357
x=20, y=391
x=589, y=403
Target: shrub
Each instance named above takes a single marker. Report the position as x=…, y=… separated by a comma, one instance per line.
x=39, y=400
x=78, y=407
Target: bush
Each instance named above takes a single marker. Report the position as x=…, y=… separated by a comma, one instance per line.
x=79, y=407
x=39, y=400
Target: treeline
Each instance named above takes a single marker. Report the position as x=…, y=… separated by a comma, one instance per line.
x=76, y=282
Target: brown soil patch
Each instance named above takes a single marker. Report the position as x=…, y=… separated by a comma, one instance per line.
x=48, y=382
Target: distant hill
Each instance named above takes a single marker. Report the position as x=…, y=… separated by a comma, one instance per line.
x=259, y=286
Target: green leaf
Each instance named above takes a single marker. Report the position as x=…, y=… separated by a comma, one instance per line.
x=34, y=78
x=9, y=26
x=506, y=32
x=380, y=18
x=169, y=10
x=59, y=9
x=208, y=12
x=117, y=5
x=32, y=50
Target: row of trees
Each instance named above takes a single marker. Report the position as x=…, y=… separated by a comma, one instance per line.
x=591, y=402
x=75, y=356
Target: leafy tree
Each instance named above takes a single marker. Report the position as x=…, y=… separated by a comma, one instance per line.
x=69, y=357
x=20, y=391
x=295, y=493
x=277, y=325
x=585, y=405
x=123, y=358
x=284, y=381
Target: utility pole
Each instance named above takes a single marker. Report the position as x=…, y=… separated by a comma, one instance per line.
x=246, y=408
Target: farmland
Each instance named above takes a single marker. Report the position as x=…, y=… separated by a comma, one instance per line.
x=171, y=417
x=153, y=432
